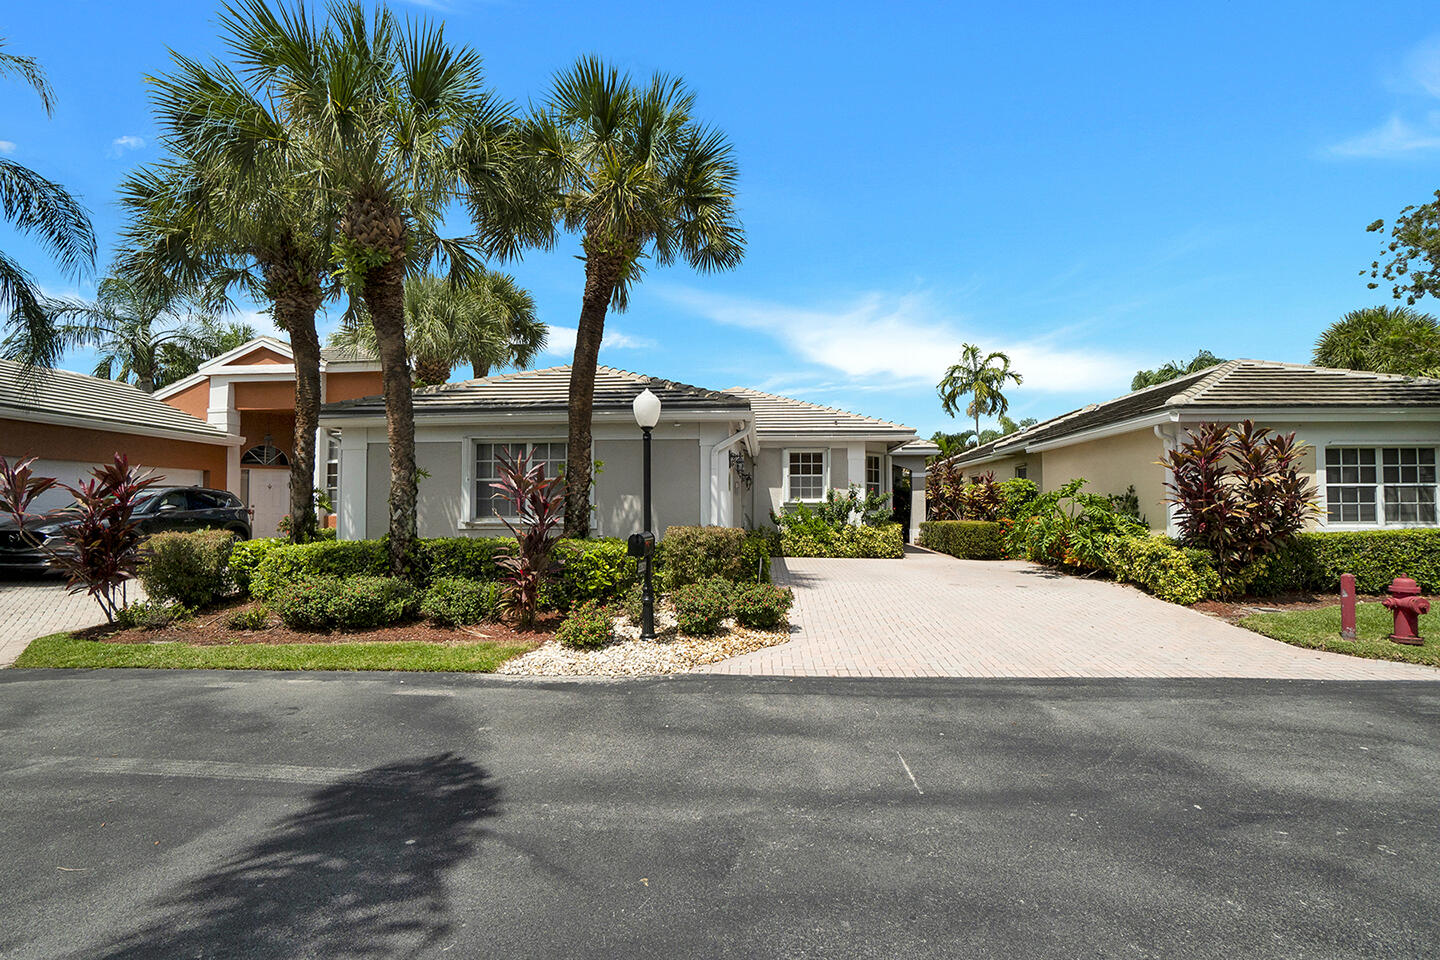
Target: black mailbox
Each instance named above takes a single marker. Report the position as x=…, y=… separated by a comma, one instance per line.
x=640, y=544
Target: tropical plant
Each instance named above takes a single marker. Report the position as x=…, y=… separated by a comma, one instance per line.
x=488, y=321
x=530, y=563
x=638, y=177
x=1070, y=527
x=1171, y=370
x=1238, y=494
x=45, y=210
x=394, y=125
x=983, y=379
x=96, y=543
x=149, y=334
x=1384, y=340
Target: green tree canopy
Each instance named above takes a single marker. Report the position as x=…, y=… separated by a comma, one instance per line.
x=1410, y=259
x=1384, y=340
x=983, y=379
x=1171, y=370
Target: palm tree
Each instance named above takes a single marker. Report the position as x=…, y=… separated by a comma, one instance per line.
x=983, y=378
x=488, y=322
x=150, y=335
x=235, y=207
x=638, y=177
x=45, y=210
x=1383, y=340
x=1171, y=370
x=394, y=124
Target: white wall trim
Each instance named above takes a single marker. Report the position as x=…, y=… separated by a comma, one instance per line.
x=218, y=438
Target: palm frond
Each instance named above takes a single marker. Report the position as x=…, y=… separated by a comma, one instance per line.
x=46, y=210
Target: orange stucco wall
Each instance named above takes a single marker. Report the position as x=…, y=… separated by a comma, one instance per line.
x=19, y=438
x=259, y=355
x=279, y=425
x=265, y=395
x=348, y=385
x=194, y=399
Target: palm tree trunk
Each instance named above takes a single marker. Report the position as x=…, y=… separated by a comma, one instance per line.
x=479, y=369
x=977, y=427
x=384, y=293
x=602, y=272
x=297, y=317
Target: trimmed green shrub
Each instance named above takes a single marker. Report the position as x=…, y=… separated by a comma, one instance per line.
x=1315, y=561
x=596, y=569
x=150, y=615
x=288, y=564
x=251, y=618
x=886, y=542
x=455, y=600
x=762, y=606
x=589, y=626
x=690, y=554
x=700, y=607
x=1015, y=495
x=246, y=556
x=352, y=603
x=968, y=539
x=1161, y=566
x=186, y=568
x=472, y=558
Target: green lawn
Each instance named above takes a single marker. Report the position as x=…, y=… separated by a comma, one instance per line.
x=65, y=650
x=1319, y=629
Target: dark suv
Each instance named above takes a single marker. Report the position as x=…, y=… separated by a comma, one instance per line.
x=163, y=508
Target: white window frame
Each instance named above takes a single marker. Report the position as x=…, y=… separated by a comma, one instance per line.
x=1379, y=446
x=468, y=499
x=332, y=445
x=824, y=473
x=879, y=459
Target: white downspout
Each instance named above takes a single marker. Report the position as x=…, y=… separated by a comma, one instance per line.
x=722, y=504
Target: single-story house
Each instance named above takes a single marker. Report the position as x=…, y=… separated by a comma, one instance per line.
x=250, y=391
x=1371, y=439
x=74, y=423
x=723, y=457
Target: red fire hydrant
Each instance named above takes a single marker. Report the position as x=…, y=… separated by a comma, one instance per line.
x=1407, y=605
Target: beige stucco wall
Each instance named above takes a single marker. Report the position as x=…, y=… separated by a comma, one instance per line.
x=1004, y=468
x=1111, y=465
x=674, y=487
x=438, y=502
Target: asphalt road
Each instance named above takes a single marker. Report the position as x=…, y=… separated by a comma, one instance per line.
x=181, y=814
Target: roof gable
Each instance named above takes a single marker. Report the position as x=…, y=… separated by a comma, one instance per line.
x=785, y=416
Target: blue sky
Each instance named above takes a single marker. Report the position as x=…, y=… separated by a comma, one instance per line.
x=1092, y=190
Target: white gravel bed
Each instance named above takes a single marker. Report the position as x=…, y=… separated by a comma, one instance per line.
x=629, y=656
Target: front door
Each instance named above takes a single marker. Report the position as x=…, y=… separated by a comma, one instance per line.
x=266, y=492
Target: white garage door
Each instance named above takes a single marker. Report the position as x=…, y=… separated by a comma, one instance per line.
x=74, y=471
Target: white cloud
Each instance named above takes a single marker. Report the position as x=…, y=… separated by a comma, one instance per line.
x=886, y=341
x=120, y=145
x=1400, y=135
x=7, y=146
x=562, y=341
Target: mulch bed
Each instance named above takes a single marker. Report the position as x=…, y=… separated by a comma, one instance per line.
x=1238, y=609
x=210, y=628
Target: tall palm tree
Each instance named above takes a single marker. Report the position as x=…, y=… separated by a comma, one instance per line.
x=486, y=322
x=1171, y=370
x=638, y=177
x=983, y=379
x=1384, y=340
x=149, y=335
x=46, y=211
x=234, y=207
x=394, y=124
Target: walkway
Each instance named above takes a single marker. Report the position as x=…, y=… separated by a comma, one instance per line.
x=36, y=608
x=931, y=615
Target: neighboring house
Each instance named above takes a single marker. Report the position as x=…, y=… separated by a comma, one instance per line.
x=1375, y=436
x=723, y=457
x=74, y=423
x=250, y=391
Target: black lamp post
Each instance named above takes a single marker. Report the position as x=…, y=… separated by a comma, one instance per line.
x=647, y=414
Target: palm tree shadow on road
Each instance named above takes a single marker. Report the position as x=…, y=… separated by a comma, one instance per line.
x=359, y=873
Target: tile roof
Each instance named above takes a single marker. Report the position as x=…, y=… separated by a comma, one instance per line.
x=785, y=416
x=1243, y=384
x=106, y=404
x=347, y=354
x=547, y=388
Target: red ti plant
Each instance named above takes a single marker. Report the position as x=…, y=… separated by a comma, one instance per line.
x=944, y=491
x=100, y=537
x=1239, y=494
x=539, y=510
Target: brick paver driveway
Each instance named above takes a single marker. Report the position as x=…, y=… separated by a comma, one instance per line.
x=34, y=608
x=931, y=615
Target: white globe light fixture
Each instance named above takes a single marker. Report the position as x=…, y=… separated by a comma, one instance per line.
x=647, y=410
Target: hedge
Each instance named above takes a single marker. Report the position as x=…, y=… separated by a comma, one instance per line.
x=967, y=539
x=350, y=603
x=1315, y=561
x=689, y=554
x=187, y=568
x=1161, y=566
x=886, y=541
